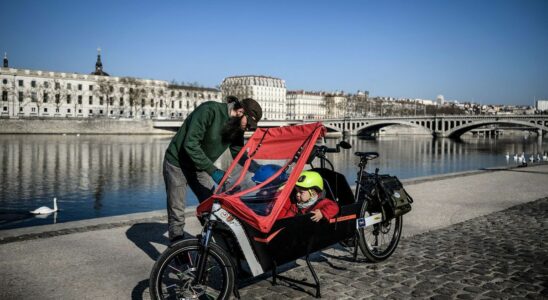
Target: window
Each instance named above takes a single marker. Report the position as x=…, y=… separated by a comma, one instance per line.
x=111, y=112
x=121, y=101
x=20, y=109
x=121, y=90
x=143, y=113
x=5, y=108
x=172, y=104
x=161, y=103
x=172, y=93
x=79, y=111
x=21, y=97
x=121, y=112
x=21, y=83
x=91, y=111
x=111, y=101
x=33, y=109
x=151, y=102
x=90, y=100
x=5, y=81
x=4, y=95
x=46, y=97
x=100, y=100
x=79, y=99
x=79, y=87
x=91, y=87
x=161, y=113
x=68, y=99
x=100, y=111
x=56, y=110
x=143, y=102
x=45, y=109
x=57, y=85
x=180, y=104
x=46, y=84
x=33, y=83
x=69, y=86
x=111, y=89
x=152, y=113
x=187, y=94
x=33, y=97
x=57, y=98
x=68, y=110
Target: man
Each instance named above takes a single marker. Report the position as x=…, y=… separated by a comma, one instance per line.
x=207, y=132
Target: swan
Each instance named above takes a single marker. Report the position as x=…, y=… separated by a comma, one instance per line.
x=507, y=155
x=545, y=157
x=532, y=158
x=515, y=157
x=45, y=210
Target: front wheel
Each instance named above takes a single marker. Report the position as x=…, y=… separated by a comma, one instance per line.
x=173, y=275
x=378, y=241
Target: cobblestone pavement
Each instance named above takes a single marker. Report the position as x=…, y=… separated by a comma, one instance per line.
x=503, y=255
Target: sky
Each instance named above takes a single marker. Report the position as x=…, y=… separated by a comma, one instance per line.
x=489, y=52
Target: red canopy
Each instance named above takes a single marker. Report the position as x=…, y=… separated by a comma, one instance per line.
x=292, y=144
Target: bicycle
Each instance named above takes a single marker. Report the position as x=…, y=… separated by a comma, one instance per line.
x=243, y=237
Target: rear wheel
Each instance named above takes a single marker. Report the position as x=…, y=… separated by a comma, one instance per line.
x=173, y=275
x=378, y=241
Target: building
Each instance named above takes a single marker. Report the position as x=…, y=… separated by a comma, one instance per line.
x=336, y=105
x=542, y=105
x=302, y=105
x=36, y=93
x=270, y=92
x=440, y=100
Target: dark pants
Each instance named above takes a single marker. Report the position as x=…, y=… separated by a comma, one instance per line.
x=177, y=181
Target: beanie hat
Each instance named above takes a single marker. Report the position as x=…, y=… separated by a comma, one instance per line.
x=253, y=112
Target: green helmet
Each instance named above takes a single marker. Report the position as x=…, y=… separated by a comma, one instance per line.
x=309, y=180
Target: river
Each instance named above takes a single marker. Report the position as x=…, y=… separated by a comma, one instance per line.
x=105, y=175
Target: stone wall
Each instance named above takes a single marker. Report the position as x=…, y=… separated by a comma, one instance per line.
x=81, y=126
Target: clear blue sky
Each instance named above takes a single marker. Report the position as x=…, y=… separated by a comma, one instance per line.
x=485, y=51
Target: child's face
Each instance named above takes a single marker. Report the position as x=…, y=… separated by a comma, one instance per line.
x=303, y=195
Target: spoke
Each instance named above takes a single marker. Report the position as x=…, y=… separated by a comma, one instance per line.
x=177, y=270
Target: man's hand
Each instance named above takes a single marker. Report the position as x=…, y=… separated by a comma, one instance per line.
x=316, y=215
x=218, y=175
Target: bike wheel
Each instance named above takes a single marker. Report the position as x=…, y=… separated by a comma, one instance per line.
x=378, y=241
x=173, y=274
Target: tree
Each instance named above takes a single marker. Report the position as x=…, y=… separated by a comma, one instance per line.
x=136, y=92
x=105, y=90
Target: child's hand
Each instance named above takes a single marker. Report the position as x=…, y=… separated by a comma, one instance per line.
x=316, y=215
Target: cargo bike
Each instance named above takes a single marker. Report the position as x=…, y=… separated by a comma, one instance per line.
x=244, y=234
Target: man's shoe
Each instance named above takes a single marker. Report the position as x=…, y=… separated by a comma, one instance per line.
x=175, y=239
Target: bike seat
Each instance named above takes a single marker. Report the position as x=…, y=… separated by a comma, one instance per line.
x=368, y=155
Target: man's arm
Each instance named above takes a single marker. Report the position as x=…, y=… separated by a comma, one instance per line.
x=193, y=139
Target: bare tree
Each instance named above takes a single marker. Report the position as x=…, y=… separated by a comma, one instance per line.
x=136, y=92
x=105, y=90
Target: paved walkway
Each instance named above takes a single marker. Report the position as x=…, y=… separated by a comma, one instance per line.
x=493, y=253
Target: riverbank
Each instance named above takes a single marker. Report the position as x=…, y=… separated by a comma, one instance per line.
x=115, y=262
x=79, y=126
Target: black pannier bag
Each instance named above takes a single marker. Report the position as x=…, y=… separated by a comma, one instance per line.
x=394, y=198
x=397, y=200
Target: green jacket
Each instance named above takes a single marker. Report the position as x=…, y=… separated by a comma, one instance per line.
x=198, y=142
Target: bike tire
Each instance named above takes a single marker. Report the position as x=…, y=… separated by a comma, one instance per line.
x=377, y=242
x=185, y=254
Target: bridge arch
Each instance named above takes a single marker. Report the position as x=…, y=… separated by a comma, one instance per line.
x=460, y=130
x=333, y=127
x=376, y=125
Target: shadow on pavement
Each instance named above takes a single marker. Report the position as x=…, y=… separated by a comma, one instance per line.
x=144, y=236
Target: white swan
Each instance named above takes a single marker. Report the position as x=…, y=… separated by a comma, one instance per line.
x=507, y=155
x=44, y=210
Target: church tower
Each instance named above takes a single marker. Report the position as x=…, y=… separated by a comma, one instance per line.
x=99, y=65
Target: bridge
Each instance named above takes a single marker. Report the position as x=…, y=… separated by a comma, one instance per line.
x=440, y=126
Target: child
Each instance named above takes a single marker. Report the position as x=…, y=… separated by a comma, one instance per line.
x=308, y=190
